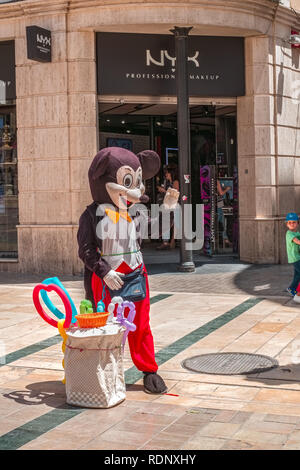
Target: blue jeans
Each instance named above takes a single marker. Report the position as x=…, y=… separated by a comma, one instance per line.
x=221, y=220
x=296, y=279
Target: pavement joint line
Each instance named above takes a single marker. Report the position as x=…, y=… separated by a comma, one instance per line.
x=33, y=429
x=46, y=343
x=28, y=350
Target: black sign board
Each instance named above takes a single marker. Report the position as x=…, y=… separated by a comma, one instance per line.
x=7, y=71
x=38, y=44
x=145, y=64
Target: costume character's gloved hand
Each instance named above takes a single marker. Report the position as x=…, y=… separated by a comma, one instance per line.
x=113, y=280
x=171, y=198
x=153, y=383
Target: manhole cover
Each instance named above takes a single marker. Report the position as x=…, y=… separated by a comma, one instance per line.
x=229, y=363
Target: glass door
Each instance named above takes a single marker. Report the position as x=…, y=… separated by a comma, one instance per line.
x=226, y=175
x=214, y=160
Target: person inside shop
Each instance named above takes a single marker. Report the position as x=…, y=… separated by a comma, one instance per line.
x=221, y=191
x=170, y=181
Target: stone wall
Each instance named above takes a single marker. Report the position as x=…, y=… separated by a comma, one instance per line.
x=56, y=116
x=295, y=4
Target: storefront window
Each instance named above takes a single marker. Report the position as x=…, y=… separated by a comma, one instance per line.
x=8, y=183
x=214, y=175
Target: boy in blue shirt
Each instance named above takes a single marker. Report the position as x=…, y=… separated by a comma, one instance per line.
x=292, y=248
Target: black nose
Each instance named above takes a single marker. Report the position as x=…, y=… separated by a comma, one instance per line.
x=144, y=199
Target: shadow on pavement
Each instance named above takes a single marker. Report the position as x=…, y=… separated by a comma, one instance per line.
x=263, y=279
x=289, y=373
x=50, y=393
x=266, y=280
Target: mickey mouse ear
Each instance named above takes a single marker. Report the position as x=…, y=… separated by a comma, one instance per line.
x=99, y=164
x=150, y=163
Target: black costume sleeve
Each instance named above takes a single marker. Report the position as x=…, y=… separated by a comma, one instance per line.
x=89, y=252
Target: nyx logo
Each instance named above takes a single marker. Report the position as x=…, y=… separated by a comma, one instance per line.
x=43, y=39
x=4, y=84
x=165, y=55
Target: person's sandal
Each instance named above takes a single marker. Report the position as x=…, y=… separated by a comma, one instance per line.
x=164, y=246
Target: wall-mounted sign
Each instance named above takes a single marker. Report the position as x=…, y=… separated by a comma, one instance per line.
x=7, y=72
x=136, y=64
x=38, y=44
x=124, y=143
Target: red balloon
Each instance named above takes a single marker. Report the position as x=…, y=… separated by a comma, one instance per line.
x=62, y=295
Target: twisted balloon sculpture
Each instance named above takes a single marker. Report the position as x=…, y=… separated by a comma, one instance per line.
x=126, y=322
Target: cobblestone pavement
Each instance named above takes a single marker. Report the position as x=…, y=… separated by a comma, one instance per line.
x=222, y=307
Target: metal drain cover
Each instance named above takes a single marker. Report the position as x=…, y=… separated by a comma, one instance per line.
x=232, y=363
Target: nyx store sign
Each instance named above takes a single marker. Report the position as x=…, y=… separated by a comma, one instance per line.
x=38, y=44
x=144, y=64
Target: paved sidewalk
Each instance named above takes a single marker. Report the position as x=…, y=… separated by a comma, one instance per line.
x=213, y=275
x=220, y=308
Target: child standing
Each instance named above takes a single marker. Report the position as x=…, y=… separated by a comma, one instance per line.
x=292, y=248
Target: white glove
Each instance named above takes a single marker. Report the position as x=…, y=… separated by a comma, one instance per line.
x=113, y=280
x=171, y=198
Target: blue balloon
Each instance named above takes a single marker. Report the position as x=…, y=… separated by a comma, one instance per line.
x=52, y=308
x=100, y=306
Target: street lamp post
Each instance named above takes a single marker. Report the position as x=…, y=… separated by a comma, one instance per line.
x=183, y=129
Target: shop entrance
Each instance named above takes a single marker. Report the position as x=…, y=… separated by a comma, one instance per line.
x=214, y=177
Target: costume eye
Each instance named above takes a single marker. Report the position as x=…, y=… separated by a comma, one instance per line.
x=127, y=180
x=139, y=181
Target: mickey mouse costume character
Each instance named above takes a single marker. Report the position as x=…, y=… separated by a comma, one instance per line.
x=116, y=182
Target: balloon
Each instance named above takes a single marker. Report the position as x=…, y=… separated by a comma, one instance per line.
x=111, y=307
x=127, y=322
x=49, y=304
x=86, y=307
x=62, y=295
x=100, y=306
x=63, y=334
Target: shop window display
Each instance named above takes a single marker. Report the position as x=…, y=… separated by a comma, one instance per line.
x=8, y=185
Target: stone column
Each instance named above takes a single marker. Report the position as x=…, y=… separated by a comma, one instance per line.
x=256, y=155
x=267, y=150
x=288, y=133
x=56, y=120
x=82, y=124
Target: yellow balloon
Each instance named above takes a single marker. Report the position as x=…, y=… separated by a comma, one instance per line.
x=62, y=332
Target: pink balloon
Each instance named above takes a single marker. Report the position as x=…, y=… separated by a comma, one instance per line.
x=62, y=295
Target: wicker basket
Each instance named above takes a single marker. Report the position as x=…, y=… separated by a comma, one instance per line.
x=92, y=320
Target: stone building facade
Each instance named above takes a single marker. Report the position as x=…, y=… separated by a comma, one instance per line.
x=57, y=102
